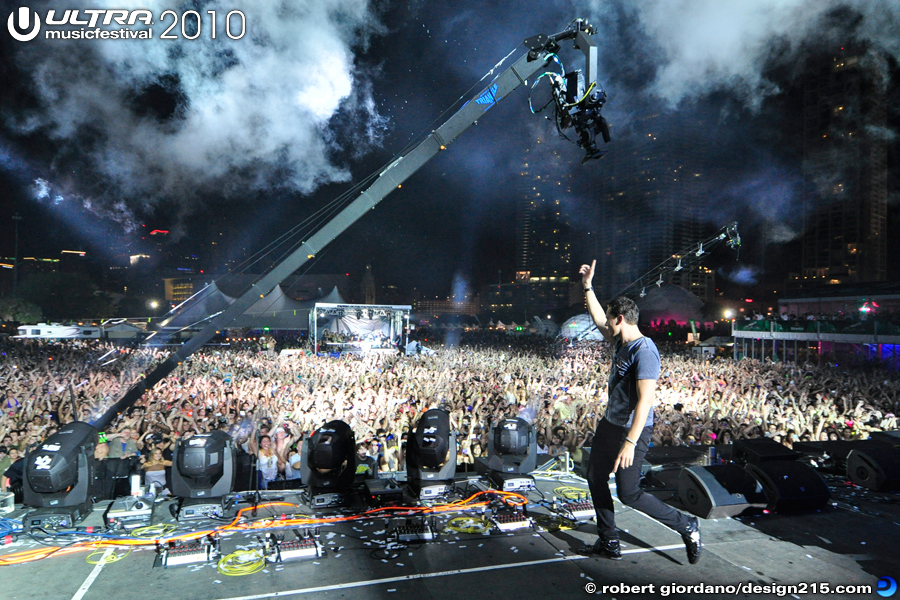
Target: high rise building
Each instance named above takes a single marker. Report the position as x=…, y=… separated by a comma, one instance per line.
x=844, y=170
x=544, y=233
x=649, y=201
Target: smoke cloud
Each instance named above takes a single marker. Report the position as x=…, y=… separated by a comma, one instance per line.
x=133, y=124
x=691, y=48
x=746, y=275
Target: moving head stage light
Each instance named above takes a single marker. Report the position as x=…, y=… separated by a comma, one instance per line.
x=203, y=467
x=431, y=455
x=328, y=464
x=60, y=477
x=512, y=454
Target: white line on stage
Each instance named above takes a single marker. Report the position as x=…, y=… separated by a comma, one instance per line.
x=354, y=584
x=90, y=578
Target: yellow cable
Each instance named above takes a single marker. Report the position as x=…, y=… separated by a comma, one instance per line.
x=572, y=493
x=153, y=531
x=582, y=98
x=106, y=560
x=469, y=525
x=555, y=523
x=242, y=562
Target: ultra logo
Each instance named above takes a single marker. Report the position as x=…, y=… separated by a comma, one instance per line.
x=24, y=14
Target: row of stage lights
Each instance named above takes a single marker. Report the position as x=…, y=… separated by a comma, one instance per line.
x=60, y=480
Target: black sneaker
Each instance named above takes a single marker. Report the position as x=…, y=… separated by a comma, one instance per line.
x=692, y=541
x=604, y=548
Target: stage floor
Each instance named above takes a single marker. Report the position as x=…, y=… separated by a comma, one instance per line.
x=853, y=542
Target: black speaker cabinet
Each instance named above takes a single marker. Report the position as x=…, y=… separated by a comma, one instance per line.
x=758, y=450
x=875, y=468
x=791, y=485
x=676, y=455
x=891, y=438
x=831, y=457
x=244, y=479
x=719, y=491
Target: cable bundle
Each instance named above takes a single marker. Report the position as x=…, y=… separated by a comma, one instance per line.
x=242, y=562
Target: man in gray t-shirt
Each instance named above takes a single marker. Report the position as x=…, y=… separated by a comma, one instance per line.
x=623, y=435
x=635, y=361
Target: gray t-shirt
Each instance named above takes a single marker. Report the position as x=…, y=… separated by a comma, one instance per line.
x=636, y=360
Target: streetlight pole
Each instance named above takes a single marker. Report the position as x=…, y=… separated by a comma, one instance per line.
x=16, y=217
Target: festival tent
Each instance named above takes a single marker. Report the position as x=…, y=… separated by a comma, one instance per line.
x=121, y=331
x=580, y=327
x=544, y=328
x=276, y=310
x=669, y=303
x=195, y=310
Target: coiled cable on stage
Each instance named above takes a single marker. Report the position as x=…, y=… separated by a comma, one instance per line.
x=571, y=493
x=153, y=531
x=242, y=562
x=469, y=525
x=106, y=559
x=555, y=522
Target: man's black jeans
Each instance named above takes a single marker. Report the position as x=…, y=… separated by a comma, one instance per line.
x=608, y=442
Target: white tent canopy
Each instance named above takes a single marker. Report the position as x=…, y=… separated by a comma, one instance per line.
x=669, y=303
x=545, y=328
x=276, y=310
x=580, y=327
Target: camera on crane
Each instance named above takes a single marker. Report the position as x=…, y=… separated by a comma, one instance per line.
x=579, y=108
x=577, y=95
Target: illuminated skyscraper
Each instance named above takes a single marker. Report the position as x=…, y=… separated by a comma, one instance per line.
x=544, y=233
x=649, y=199
x=845, y=170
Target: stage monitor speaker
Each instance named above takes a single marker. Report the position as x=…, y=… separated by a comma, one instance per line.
x=719, y=491
x=676, y=455
x=875, y=468
x=243, y=471
x=891, y=438
x=831, y=456
x=759, y=450
x=790, y=485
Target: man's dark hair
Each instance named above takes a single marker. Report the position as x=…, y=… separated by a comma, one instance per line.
x=625, y=307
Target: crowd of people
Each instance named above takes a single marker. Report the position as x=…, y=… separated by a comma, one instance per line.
x=268, y=402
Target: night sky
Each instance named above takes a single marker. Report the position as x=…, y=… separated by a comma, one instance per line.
x=250, y=137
